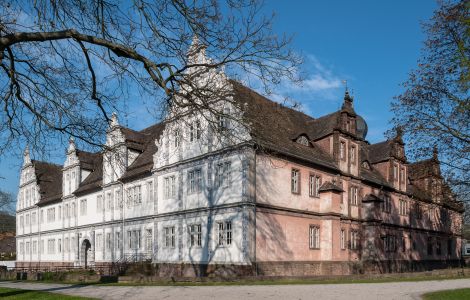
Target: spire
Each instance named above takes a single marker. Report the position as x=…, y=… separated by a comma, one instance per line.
x=197, y=52
x=114, y=121
x=71, y=147
x=348, y=101
x=26, y=156
x=435, y=153
x=399, y=134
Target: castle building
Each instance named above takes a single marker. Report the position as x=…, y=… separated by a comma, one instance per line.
x=271, y=191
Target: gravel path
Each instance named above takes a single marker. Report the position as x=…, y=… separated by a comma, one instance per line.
x=362, y=291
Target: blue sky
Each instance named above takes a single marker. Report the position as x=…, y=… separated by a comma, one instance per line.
x=371, y=44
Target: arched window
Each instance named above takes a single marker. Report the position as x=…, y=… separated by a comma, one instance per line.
x=302, y=140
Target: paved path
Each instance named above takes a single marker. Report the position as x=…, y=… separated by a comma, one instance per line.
x=360, y=291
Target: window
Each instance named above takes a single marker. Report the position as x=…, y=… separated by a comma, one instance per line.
x=33, y=218
x=169, y=187
x=50, y=246
x=109, y=241
x=224, y=233
x=402, y=175
x=403, y=207
x=148, y=240
x=134, y=239
x=21, y=222
x=390, y=243
x=303, y=140
x=72, y=244
x=314, y=185
x=99, y=242
x=342, y=239
x=342, y=150
x=110, y=201
x=42, y=216
x=137, y=194
x=66, y=245
x=223, y=120
x=354, y=240
x=177, y=138
x=83, y=207
x=222, y=174
x=418, y=211
x=449, y=247
x=60, y=212
x=35, y=247
x=118, y=240
x=118, y=200
x=387, y=204
x=353, y=195
x=194, y=131
x=352, y=154
x=59, y=246
x=169, y=237
x=395, y=172
x=314, y=237
x=295, y=181
x=50, y=215
x=66, y=211
x=195, y=235
x=99, y=203
x=68, y=183
x=21, y=248
x=42, y=247
x=429, y=244
x=74, y=210
x=27, y=219
x=194, y=181
x=28, y=248
x=150, y=191
x=438, y=247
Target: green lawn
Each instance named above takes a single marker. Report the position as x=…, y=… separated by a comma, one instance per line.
x=459, y=294
x=7, y=293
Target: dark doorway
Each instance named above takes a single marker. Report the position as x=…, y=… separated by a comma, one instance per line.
x=86, y=247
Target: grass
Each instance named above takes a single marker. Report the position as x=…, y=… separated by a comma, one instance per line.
x=8, y=293
x=458, y=294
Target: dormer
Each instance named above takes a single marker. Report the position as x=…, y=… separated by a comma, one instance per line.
x=115, y=154
x=389, y=159
x=28, y=192
x=71, y=170
x=348, y=115
x=426, y=175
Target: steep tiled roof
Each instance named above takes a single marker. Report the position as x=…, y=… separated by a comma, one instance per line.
x=87, y=159
x=423, y=168
x=49, y=179
x=144, y=162
x=274, y=126
x=380, y=151
x=94, y=179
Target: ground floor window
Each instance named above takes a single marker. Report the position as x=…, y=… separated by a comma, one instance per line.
x=390, y=243
x=224, y=233
x=342, y=239
x=314, y=237
x=354, y=240
x=133, y=237
x=148, y=240
x=195, y=235
x=169, y=236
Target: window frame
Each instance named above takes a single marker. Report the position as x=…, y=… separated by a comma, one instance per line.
x=295, y=181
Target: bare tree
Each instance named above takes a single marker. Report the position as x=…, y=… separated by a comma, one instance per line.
x=7, y=202
x=434, y=109
x=65, y=65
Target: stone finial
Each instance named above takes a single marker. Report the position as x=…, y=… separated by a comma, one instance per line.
x=114, y=120
x=26, y=156
x=72, y=146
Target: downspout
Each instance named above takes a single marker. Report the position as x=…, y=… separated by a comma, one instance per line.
x=255, y=216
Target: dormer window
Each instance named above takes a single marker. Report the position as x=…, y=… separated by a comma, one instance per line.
x=302, y=140
x=177, y=138
x=366, y=165
x=352, y=154
x=342, y=150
